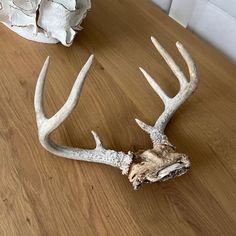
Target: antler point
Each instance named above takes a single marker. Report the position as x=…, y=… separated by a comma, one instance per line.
x=179, y=45
x=47, y=61
x=97, y=139
x=141, y=69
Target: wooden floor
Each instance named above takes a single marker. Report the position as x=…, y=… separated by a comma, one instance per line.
x=41, y=194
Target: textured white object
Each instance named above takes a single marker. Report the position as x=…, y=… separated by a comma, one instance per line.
x=171, y=104
x=158, y=164
x=46, y=126
x=45, y=21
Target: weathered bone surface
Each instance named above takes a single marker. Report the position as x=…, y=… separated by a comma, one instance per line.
x=47, y=21
x=157, y=164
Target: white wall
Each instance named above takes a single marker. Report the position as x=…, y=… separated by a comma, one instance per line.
x=163, y=4
x=182, y=10
x=213, y=20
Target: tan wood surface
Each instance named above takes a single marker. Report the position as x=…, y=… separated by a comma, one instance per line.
x=41, y=194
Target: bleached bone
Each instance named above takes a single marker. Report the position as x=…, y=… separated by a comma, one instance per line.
x=171, y=104
x=47, y=21
x=46, y=126
x=157, y=164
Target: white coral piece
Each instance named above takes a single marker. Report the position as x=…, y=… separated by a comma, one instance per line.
x=48, y=21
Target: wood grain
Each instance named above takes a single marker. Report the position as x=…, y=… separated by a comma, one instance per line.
x=41, y=194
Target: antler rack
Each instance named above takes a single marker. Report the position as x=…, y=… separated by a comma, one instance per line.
x=157, y=164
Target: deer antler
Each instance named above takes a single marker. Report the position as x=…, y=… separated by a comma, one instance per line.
x=157, y=164
x=171, y=104
x=162, y=162
x=46, y=126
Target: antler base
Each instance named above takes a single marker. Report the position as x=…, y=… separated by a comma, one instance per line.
x=158, y=164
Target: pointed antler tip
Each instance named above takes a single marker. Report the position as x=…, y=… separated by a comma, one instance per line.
x=143, y=126
x=143, y=71
x=179, y=45
x=93, y=132
x=153, y=39
x=139, y=122
x=140, y=68
x=90, y=60
x=95, y=135
x=97, y=139
x=47, y=60
x=155, y=42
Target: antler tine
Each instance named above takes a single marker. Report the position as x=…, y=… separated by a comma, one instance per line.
x=38, y=98
x=171, y=104
x=155, y=86
x=190, y=63
x=170, y=62
x=69, y=105
x=46, y=126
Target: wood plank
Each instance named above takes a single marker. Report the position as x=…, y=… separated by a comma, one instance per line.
x=41, y=194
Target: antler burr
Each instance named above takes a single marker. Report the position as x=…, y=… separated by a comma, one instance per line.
x=157, y=164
